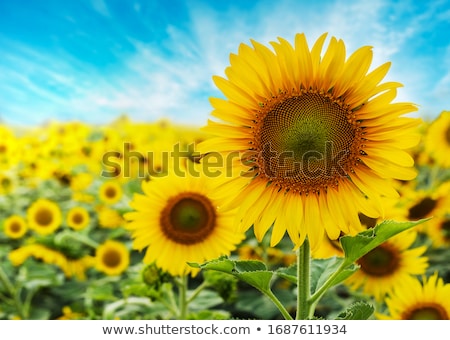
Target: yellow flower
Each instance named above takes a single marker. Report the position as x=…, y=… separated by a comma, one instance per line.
x=318, y=137
x=81, y=181
x=15, y=226
x=416, y=300
x=438, y=230
x=420, y=204
x=110, y=192
x=328, y=248
x=112, y=258
x=388, y=264
x=78, y=218
x=68, y=314
x=177, y=219
x=44, y=216
x=437, y=139
x=109, y=218
x=70, y=267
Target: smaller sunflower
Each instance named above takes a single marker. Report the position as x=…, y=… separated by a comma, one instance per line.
x=44, y=216
x=70, y=267
x=425, y=203
x=15, y=226
x=180, y=220
x=109, y=218
x=78, y=218
x=416, y=300
x=68, y=314
x=110, y=192
x=388, y=264
x=437, y=140
x=328, y=248
x=112, y=257
x=438, y=230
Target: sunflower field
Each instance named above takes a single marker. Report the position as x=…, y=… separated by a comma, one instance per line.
x=161, y=221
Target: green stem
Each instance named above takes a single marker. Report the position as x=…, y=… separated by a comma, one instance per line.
x=304, y=307
x=182, y=301
x=12, y=292
x=327, y=285
x=197, y=291
x=78, y=237
x=277, y=303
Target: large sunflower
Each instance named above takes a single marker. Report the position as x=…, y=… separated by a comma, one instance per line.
x=178, y=220
x=388, y=264
x=416, y=300
x=437, y=140
x=318, y=136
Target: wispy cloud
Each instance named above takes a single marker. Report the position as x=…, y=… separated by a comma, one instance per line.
x=173, y=78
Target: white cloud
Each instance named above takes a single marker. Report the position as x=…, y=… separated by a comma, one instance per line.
x=151, y=83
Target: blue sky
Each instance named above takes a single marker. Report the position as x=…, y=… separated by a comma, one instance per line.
x=92, y=60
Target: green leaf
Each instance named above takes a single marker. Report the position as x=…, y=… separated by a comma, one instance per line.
x=125, y=307
x=359, y=245
x=288, y=273
x=322, y=269
x=357, y=311
x=253, y=272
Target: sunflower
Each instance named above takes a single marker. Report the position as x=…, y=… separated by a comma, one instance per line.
x=78, y=218
x=112, y=257
x=70, y=267
x=15, y=226
x=426, y=203
x=328, y=248
x=110, y=192
x=416, y=300
x=388, y=264
x=437, y=139
x=178, y=220
x=318, y=136
x=109, y=218
x=438, y=230
x=44, y=216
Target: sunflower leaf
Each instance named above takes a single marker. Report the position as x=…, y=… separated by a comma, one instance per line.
x=288, y=273
x=357, y=311
x=359, y=245
x=323, y=269
x=253, y=272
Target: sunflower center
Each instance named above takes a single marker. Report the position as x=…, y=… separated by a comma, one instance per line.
x=447, y=135
x=15, y=227
x=110, y=192
x=430, y=311
x=422, y=209
x=306, y=142
x=188, y=218
x=111, y=258
x=77, y=218
x=44, y=217
x=381, y=261
x=5, y=183
x=445, y=229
